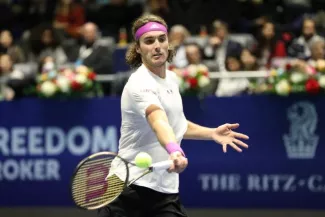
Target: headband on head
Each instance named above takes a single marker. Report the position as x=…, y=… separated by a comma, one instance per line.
x=148, y=27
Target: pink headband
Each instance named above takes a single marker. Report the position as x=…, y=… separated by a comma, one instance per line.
x=148, y=27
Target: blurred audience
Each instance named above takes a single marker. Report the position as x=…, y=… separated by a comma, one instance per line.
x=7, y=46
x=69, y=17
x=300, y=47
x=177, y=37
x=88, y=32
x=220, y=45
x=90, y=52
x=44, y=42
x=269, y=45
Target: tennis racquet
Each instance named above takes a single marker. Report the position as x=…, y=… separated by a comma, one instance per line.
x=93, y=187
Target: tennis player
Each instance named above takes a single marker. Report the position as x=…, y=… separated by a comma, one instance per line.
x=153, y=121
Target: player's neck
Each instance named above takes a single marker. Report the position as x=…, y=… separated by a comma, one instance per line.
x=159, y=71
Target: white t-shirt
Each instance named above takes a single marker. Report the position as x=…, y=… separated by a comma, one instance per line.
x=142, y=90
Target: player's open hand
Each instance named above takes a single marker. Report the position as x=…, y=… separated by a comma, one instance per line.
x=225, y=136
x=180, y=162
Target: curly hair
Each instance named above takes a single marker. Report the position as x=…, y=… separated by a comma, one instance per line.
x=133, y=59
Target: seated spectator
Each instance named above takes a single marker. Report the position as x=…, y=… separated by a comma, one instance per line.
x=193, y=54
x=248, y=60
x=90, y=52
x=232, y=86
x=233, y=64
x=8, y=47
x=269, y=45
x=220, y=45
x=177, y=37
x=69, y=17
x=14, y=80
x=45, y=42
x=300, y=47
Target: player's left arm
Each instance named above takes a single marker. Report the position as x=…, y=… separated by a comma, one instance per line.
x=197, y=132
x=224, y=135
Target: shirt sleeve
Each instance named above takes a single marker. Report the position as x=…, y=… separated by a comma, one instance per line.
x=143, y=96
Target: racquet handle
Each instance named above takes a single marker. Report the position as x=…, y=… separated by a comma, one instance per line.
x=163, y=165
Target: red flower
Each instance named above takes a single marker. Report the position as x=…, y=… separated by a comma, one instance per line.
x=193, y=82
x=75, y=85
x=312, y=86
x=92, y=76
x=288, y=66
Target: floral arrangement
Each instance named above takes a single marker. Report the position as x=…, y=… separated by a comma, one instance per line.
x=76, y=81
x=297, y=77
x=194, y=79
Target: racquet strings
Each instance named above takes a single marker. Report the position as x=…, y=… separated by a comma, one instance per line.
x=90, y=190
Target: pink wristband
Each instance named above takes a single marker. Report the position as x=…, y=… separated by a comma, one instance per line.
x=173, y=147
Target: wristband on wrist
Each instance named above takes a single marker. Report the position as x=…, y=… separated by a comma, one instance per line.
x=173, y=147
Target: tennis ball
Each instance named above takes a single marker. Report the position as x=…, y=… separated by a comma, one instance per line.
x=143, y=160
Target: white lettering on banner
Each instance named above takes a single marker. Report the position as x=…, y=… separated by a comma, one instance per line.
x=315, y=183
x=84, y=145
x=223, y=182
x=273, y=183
x=261, y=183
x=4, y=139
x=52, y=148
x=101, y=141
x=30, y=170
x=35, y=140
x=17, y=143
x=53, y=141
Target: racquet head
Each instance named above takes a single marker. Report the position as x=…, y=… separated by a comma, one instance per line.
x=89, y=186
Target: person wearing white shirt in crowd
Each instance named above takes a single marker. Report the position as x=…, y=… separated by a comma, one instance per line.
x=153, y=121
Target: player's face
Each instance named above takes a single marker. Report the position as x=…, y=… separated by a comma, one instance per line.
x=153, y=47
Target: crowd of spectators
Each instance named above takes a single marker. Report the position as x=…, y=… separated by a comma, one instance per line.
x=226, y=36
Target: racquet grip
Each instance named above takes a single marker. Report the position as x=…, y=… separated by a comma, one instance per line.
x=163, y=165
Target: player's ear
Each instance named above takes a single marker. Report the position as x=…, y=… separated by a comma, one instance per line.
x=137, y=47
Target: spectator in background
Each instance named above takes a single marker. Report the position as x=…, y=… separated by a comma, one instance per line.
x=14, y=80
x=44, y=42
x=248, y=61
x=220, y=46
x=269, y=45
x=159, y=8
x=69, y=17
x=8, y=47
x=317, y=52
x=233, y=64
x=232, y=86
x=300, y=47
x=91, y=52
x=193, y=54
x=177, y=37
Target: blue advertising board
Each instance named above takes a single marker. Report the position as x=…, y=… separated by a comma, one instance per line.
x=41, y=142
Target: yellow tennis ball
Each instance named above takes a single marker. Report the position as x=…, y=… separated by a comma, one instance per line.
x=143, y=160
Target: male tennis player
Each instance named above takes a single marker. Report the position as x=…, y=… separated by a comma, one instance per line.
x=153, y=121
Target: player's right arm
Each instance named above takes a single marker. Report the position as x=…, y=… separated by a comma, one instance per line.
x=148, y=105
x=158, y=121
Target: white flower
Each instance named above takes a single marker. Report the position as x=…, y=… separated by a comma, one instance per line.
x=63, y=83
x=297, y=77
x=320, y=65
x=48, y=88
x=322, y=81
x=283, y=87
x=81, y=78
x=202, y=68
x=203, y=81
x=48, y=66
x=82, y=69
x=192, y=70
